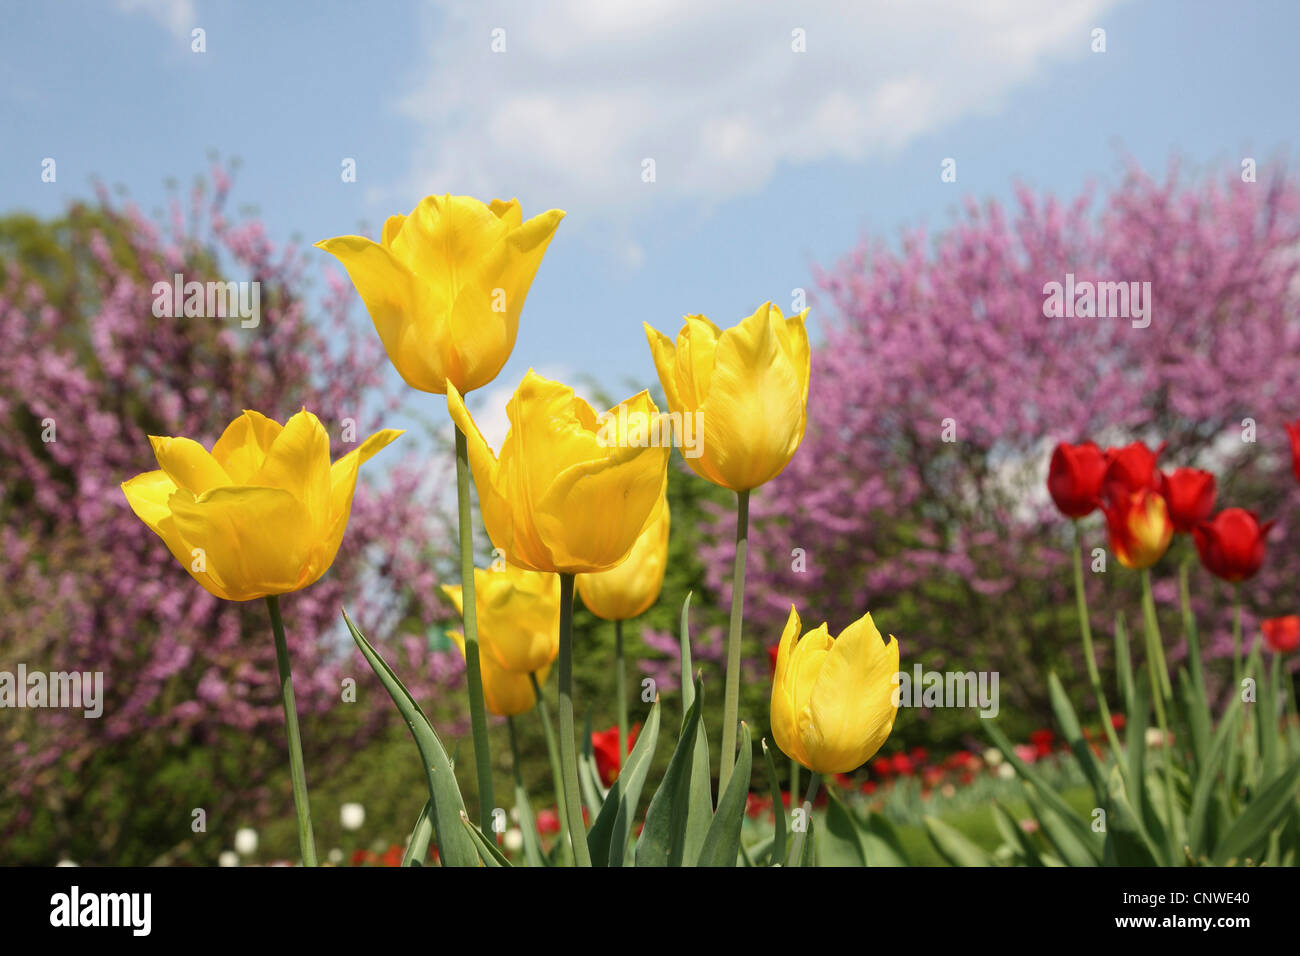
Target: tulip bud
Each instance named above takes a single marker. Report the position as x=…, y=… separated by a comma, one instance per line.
x=1130, y=469
x=1074, y=478
x=833, y=699
x=1232, y=546
x=1281, y=634
x=1189, y=493
x=630, y=588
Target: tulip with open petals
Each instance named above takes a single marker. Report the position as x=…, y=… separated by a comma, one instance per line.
x=567, y=493
x=446, y=284
x=263, y=513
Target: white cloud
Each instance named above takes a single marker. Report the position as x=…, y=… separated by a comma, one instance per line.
x=176, y=16
x=588, y=89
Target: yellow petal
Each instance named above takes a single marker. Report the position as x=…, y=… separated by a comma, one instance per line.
x=697, y=345
x=629, y=589
x=299, y=462
x=506, y=694
x=188, y=464
x=342, y=486
x=664, y=353
x=242, y=447
x=256, y=541
x=783, y=713
x=851, y=709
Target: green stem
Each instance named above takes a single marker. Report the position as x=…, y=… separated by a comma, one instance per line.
x=568, y=746
x=620, y=688
x=552, y=754
x=796, y=850
x=469, y=611
x=1236, y=638
x=1189, y=629
x=1160, y=690
x=297, y=770
x=1085, y=632
x=794, y=778
x=731, y=699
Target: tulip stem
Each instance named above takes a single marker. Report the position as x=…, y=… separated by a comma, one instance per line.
x=1189, y=629
x=620, y=688
x=731, y=699
x=1160, y=690
x=568, y=746
x=1085, y=631
x=297, y=769
x=796, y=850
x=469, y=611
x=557, y=778
x=1236, y=637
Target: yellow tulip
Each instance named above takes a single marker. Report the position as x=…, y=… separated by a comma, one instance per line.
x=506, y=693
x=262, y=513
x=833, y=699
x=518, y=616
x=567, y=494
x=445, y=286
x=749, y=386
x=628, y=589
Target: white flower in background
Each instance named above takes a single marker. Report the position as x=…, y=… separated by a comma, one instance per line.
x=993, y=756
x=352, y=816
x=336, y=856
x=228, y=858
x=1155, y=737
x=246, y=841
x=66, y=863
x=1006, y=771
x=514, y=839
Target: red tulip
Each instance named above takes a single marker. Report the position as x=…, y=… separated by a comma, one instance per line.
x=882, y=767
x=1189, y=492
x=1281, y=634
x=1293, y=432
x=1232, y=545
x=1042, y=741
x=604, y=743
x=771, y=656
x=1074, y=478
x=869, y=787
x=548, y=821
x=1131, y=469
x=902, y=765
x=1139, y=526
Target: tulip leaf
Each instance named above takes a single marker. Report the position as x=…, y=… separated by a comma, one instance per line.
x=688, y=691
x=840, y=840
x=1127, y=841
x=1015, y=835
x=487, y=848
x=607, y=839
x=700, y=806
x=1250, y=831
x=1208, y=777
x=721, y=843
x=1069, y=724
x=953, y=846
x=417, y=847
x=778, y=810
x=1062, y=838
x=884, y=848
x=455, y=847
x=663, y=838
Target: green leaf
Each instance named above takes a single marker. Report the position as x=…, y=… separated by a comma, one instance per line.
x=487, y=849
x=721, y=842
x=1123, y=661
x=1069, y=724
x=884, y=848
x=417, y=847
x=663, y=838
x=840, y=840
x=778, y=809
x=1250, y=831
x=1207, y=778
x=953, y=846
x=1062, y=838
x=1127, y=841
x=608, y=836
x=1015, y=835
x=699, y=810
x=455, y=847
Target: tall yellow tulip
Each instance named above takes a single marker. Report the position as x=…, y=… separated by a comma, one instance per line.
x=749, y=386
x=507, y=693
x=445, y=286
x=263, y=513
x=833, y=699
x=628, y=589
x=260, y=515
x=563, y=496
x=518, y=617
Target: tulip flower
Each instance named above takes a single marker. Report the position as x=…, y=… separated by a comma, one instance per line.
x=749, y=385
x=1189, y=493
x=1131, y=469
x=506, y=693
x=1293, y=432
x=569, y=494
x=260, y=515
x=609, y=755
x=746, y=392
x=1139, y=526
x=561, y=497
x=833, y=699
x=518, y=616
x=1281, y=634
x=446, y=284
x=1232, y=545
x=1074, y=478
x=629, y=589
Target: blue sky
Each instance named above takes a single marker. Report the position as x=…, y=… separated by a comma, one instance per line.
x=767, y=159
